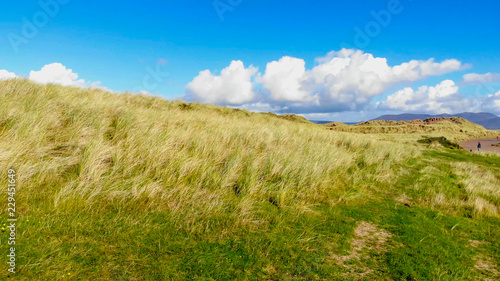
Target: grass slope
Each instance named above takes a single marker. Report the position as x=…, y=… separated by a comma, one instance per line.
x=127, y=187
x=453, y=128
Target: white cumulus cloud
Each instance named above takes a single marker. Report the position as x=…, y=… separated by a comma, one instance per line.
x=233, y=86
x=344, y=80
x=284, y=80
x=442, y=98
x=474, y=78
x=57, y=73
x=4, y=75
x=492, y=103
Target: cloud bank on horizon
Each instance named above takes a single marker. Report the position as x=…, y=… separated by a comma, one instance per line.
x=341, y=81
x=345, y=80
x=54, y=73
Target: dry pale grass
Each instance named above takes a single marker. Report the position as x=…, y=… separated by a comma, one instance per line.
x=91, y=149
x=478, y=180
x=478, y=187
x=479, y=205
x=482, y=185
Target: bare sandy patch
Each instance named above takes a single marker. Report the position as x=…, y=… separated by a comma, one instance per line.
x=476, y=243
x=487, y=267
x=367, y=236
x=486, y=145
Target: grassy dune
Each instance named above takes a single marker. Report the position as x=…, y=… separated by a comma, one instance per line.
x=128, y=187
x=455, y=129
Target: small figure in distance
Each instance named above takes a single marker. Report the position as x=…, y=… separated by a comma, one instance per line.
x=478, y=146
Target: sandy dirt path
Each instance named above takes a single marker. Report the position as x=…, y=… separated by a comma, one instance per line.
x=486, y=145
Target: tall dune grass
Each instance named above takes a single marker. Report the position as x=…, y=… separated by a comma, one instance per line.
x=90, y=149
x=456, y=131
x=130, y=187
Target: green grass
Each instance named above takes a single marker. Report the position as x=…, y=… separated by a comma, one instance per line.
x=441, y=140
x=125, y=187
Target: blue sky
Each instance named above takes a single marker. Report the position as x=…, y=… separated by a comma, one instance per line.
x=120, y=43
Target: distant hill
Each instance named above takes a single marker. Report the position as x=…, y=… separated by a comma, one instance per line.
x=454, y=128
x=487, y=120
x=321, y=122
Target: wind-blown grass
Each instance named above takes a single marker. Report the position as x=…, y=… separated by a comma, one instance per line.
x=122, y=186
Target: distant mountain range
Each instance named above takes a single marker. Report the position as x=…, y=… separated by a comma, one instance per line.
x=487, y=120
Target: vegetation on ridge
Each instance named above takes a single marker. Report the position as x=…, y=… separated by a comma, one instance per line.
x=441, y=140
x=453, y=128
x=138, y=188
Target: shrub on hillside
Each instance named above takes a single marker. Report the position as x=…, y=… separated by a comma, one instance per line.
x=441, y=140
